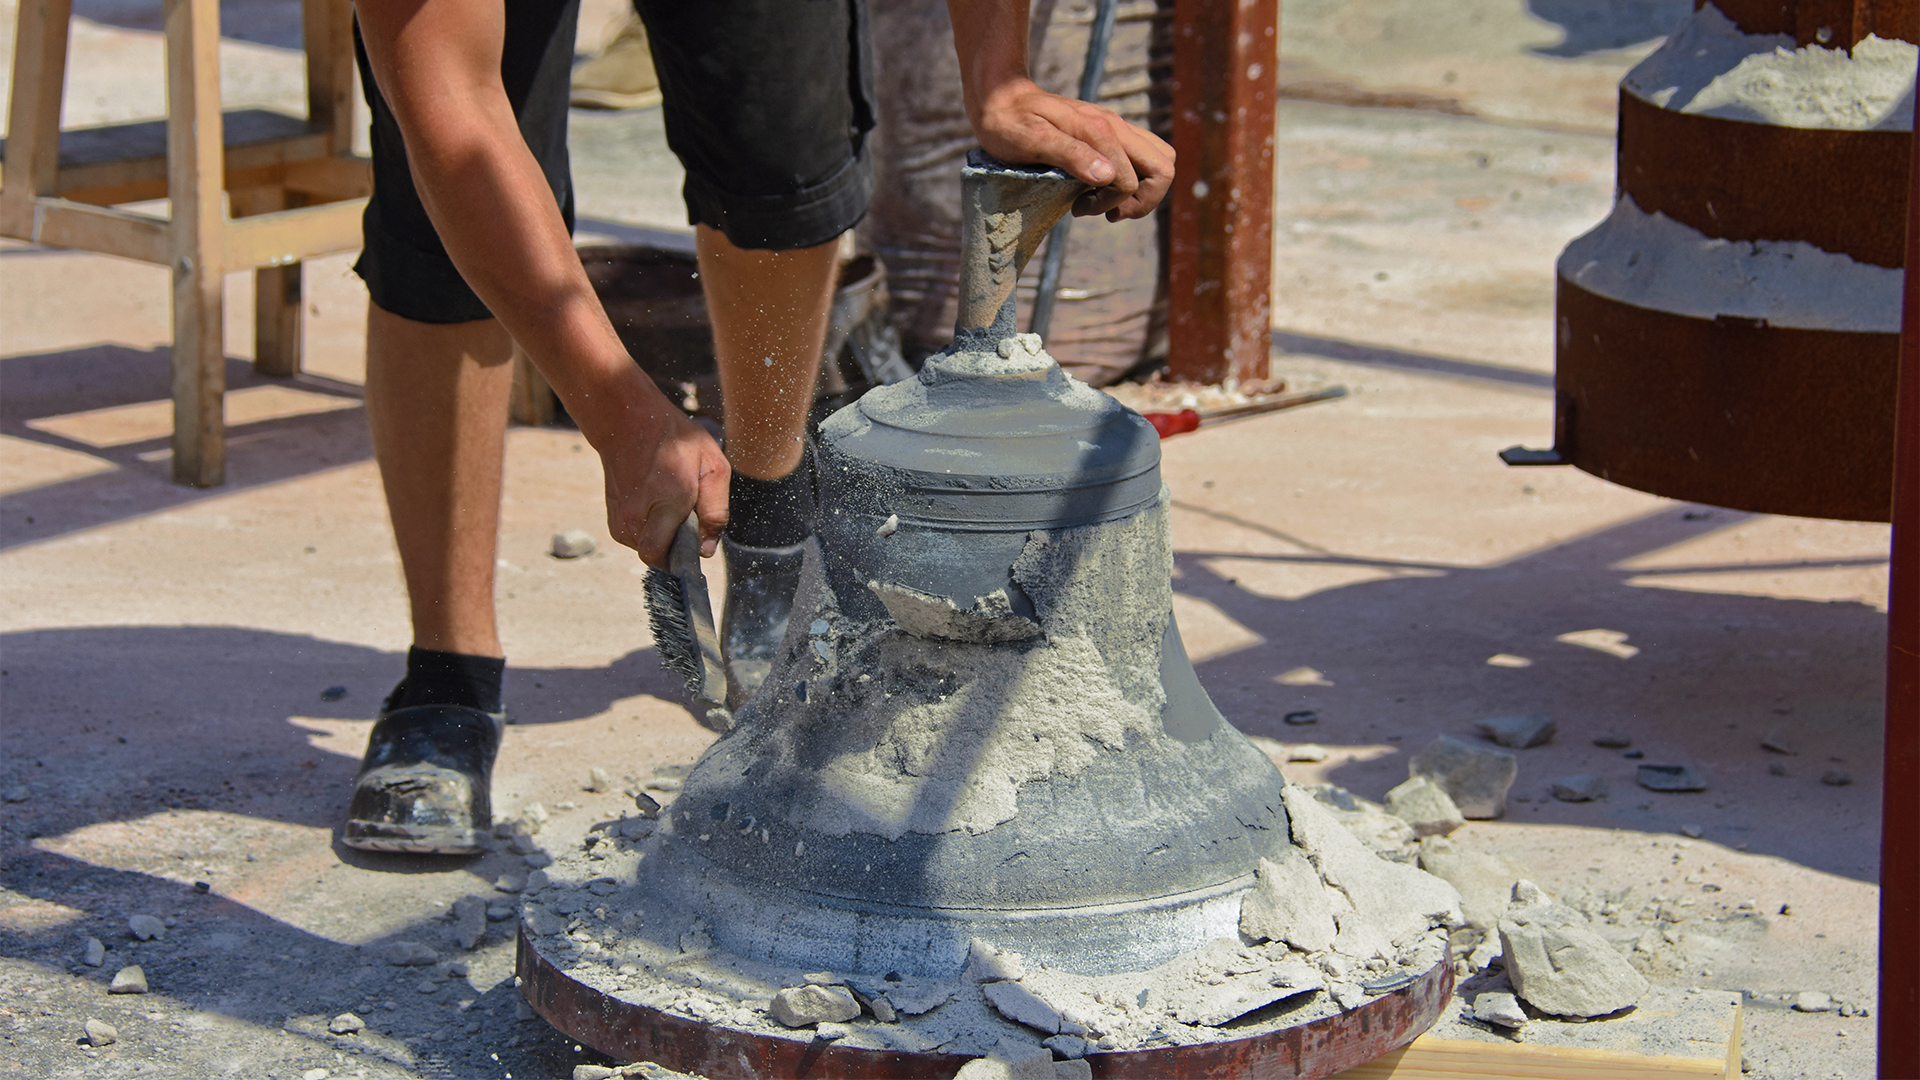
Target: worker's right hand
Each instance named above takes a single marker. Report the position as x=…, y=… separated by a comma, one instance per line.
x=1129, y=167
x=660, y=465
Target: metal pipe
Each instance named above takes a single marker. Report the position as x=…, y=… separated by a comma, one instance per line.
x=1047, y=291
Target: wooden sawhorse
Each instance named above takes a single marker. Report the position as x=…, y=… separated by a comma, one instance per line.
x=294, y=186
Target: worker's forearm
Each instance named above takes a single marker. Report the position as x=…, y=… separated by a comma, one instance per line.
x=990, y=37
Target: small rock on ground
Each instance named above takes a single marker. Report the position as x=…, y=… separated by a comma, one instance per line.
x=1612, y=740
x=316, y=1074
x=598, y=780
x=1558, y=964
x=16, y=793
x=409, y=954
x=1485, y=882
x=1670, y=778
x=1581, y=787
x=591, y=1072
x=1836, y=778
x=1519, y=732
x=1426, y=806
x=571, y=544
x=146, y=927
x=1501, y=1010
x=509, y=883
x=346, y=1024
x=93, y=953
x=1302, y=717
x=1476, y=778
x=469, y=921
x=802, y=1006
x=128, y=980
x=1812, y=1001
x=101, y=1033
x=1071, y=1047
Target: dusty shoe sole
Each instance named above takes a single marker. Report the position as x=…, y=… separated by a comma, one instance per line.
x=378, y=836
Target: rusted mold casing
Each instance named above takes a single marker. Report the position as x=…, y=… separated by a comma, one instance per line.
x=1220, y=251
x=1845, y=22
x=1737, y=180
x=1726, y=412
x=1736, y=412
x=626, y=1031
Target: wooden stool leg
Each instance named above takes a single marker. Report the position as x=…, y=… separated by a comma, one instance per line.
x=195, y=177
x=276, y=291
x=33, y=115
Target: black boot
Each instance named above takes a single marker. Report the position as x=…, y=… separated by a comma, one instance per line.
x=760, y=587
x=426, y=783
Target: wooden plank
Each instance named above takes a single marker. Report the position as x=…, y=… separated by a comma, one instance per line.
x=340, y=177
x=195, y=167
x=63, y=224
x=33, y=112
x=292, y=235
x=1220, y=251
x=1427, y=1058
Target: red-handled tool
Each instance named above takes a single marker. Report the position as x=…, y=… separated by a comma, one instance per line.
x=1169, y=424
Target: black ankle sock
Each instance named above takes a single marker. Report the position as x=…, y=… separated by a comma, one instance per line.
x=772, y=513
x=445, y=678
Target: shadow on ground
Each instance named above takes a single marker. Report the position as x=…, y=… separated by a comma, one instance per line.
x=1395, y=661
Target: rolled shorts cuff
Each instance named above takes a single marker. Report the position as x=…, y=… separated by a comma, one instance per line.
x=404, y=280
x=788, y=221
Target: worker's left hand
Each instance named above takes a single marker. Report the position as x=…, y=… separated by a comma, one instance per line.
x=1130, y=167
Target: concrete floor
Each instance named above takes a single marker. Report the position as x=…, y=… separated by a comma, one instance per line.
x=163, y=651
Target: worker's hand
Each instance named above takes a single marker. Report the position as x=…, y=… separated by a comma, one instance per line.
x=1130, y=167
x=659, y=465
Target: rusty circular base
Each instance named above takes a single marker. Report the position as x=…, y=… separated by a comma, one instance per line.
x=630, y=1032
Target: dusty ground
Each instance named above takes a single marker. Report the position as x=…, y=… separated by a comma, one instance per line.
x=163, y=652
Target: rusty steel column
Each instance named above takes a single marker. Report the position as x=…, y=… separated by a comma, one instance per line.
x=1899, y=1041
x=1220, y=266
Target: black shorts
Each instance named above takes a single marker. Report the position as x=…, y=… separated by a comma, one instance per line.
x=767, y=105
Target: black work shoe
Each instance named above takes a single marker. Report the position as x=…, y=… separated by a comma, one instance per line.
x=760, y=587
x=425, y=784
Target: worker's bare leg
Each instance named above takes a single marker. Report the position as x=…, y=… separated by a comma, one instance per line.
x=437, y=402
x=769, y=313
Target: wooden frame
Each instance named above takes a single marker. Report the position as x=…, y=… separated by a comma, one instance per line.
x=250, y=190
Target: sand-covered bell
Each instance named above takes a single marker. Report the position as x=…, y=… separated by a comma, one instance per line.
x=982, y=722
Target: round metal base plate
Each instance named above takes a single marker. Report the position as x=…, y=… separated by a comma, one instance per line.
x=627, y=1031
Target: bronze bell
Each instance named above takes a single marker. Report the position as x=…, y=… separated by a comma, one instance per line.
x=982, y=722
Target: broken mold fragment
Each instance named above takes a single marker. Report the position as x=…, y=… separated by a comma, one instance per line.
x=990, y=621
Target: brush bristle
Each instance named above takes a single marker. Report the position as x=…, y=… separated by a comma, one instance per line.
x=672, y=631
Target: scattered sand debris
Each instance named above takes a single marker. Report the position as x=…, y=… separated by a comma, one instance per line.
x=1476, y=778
x=1289, y=903
x=1519, y=732
x=987, y=964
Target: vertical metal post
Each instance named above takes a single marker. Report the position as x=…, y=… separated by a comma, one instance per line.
x=1899, y=1034
x=1220, y=270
